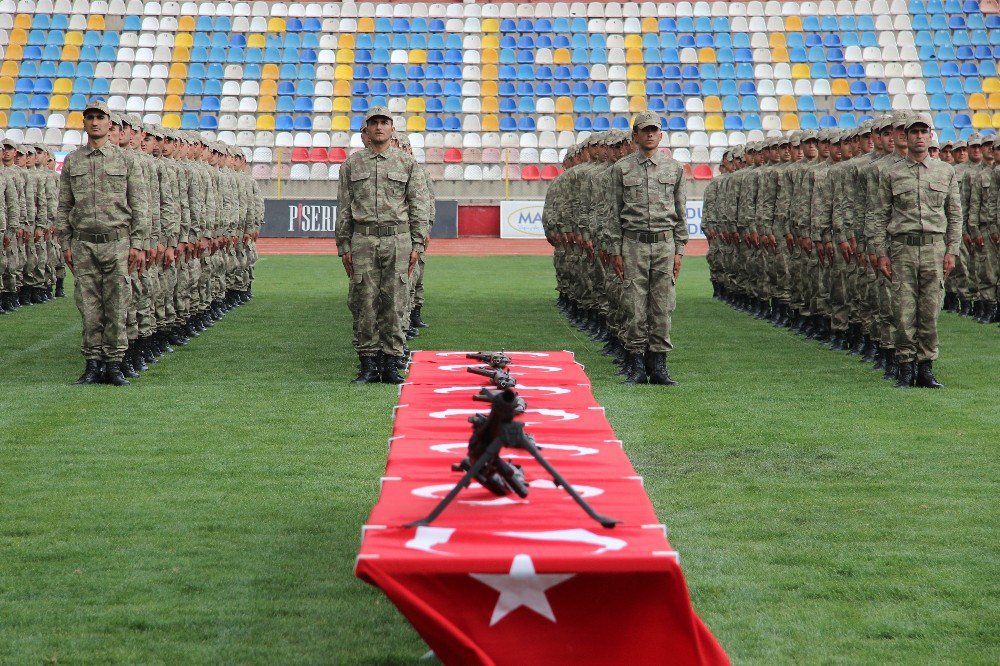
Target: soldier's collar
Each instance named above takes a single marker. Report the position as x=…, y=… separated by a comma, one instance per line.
x=912, y=162
x=103, y=150
x=655, y=158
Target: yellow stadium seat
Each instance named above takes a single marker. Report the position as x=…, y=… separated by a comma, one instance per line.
x=633, y=56
x=787, y=103
x=182, y=54
x=793, y=24
x=62, y=86
x=714, y=124
x=977, y=101
x=170, y=121
x=266, y=103
x=75, y=120
x=366, y=24
x=10, y=68
x=489, y=42
x=265, y=123
x=15, y=52
x=276, y=24
x=996, y=121
x=633, y=42
x=73, y=38
x=270, y=72
x=713, y=104
x=178, y=72
x=561, y=57
x=994, y=101
x=256, y=41
x=186, y=24
x=777, y=39
x=489, y=88
x=269, y=87
x=95, y=22
x=22, y=21
x=489, y=73
x=564, y=123
x=491, y=123
x=342, y=88
x=981, y=120
x=416, y=124
x=345, y=42
x=489, y=57
x=173, y=103
x=840, y=87
x=490, y=25
x=800, y=70
x=636, y=104
x=58, y=103
x=3, y=119
x=636, y=88
x=706, y=54
x=418, y=57
x=635, y=73
x=18, y=36
x=341, y=124
x=5, y=101
x=779, y=54
x=490, y=105
x=345, y=56
x=341, y=104
x=564, y=105
x=187, y=41
x=790, y=121
x=991, y=85
x=650, y=24
x=343, y=73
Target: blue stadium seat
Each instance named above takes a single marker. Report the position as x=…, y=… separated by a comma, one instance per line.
x=210, y=123
x=656, y=104
x=969, y=69
x=36, y=120
x=302, y=124
x=731, y=103
x=949, y=69
x=844, y=104
x=810, y=24
x=621, y=123
x=749, y=103
x=508, y=124
x=43, y=86
x=363, y=56
x=751, y=122
x=360, y=105
x=671, y=88
x=284, y=123
x=668, y=40
x=838, y=71
x=189, y=121
x=957, y=102
x=677, y=123
x=82, y=86
x=685, y=24
x=582, y=105
x=582, y=124
x=808, y=121
x=827, y=122
x=670, y=55
x=39, y=103
x=100, y=86
x=690, y=72
x=507, y=57
x=744, y=70
x=675, y=105
x=685, y=41
x=452, y=73
x=709, y=87
x=942, y=120
x=23, y=86
x=692, y=88
x=806, y=103
x=601, y=124
x=434, y=105
x=733, y=123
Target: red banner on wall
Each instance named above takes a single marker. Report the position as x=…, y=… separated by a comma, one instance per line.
x=506, y=580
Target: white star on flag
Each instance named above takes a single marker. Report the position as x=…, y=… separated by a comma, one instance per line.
x=521, y=587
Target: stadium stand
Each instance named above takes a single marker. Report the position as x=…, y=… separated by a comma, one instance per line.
x=493, y=91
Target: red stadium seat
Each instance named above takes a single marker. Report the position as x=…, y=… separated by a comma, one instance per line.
x=452, y=156
x=703, y=172
x=318, y=155
x=338, y=155
x=550, y=172
x=530, y=172
x=300, y=155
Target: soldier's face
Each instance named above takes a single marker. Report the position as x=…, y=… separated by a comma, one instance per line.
x=996, y=154
x=647, y=138
x=933, y=152
x=137, y=138
x=20, y=160
x=96, y=124
x=8, y=155
x=167, y=148
x=824, y=149
x=945, y=156
x=810, y=149
x=125, y=136
x=976, y=153
x=796, y=152
x=148, y=144
x=114, y=134
x=379, y=130
x=960, y=155
x=917, y=139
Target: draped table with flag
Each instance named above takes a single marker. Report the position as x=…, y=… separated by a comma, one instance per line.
x=505, y=580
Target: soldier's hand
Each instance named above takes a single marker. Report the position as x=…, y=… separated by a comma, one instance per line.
x=677, y=265
x=588, y=245
x=67, y=257
x=39, y=234
x=885, y=266
x=967, y=239
x=790, y=242
x=135, y=259
x=348, y=262
x=807, y=245
x=414, y=258
x=979, y=241
x=168, y=257
x=996, y=239
x=619, y=265
x=845, y=250
x=949, y=264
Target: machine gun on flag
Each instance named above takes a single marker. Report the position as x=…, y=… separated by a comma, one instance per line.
x=496, y=369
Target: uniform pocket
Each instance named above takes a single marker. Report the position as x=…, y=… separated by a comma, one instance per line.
x=396, y=183
x=936, y=192
x=632, y=187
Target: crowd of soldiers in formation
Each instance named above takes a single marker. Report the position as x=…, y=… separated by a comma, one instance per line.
x=31, y=264
x=842, y=237
x=159, y=227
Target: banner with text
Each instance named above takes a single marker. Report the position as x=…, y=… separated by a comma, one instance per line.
x=523, y=219
x=317, y=218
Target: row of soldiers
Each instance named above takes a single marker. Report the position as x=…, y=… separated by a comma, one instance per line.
x=845, y=236
x=159, y=227
x=616, y=218
x=31, y=263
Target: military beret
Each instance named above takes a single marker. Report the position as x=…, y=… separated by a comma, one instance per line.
x=738, y=152
x=403, y=140
x=786, y=140
x=918, y=119
x=97, y=105
x=9, y=143
x=132, y=120
x=975, y=139
x=378, y=111
x=933, y=144
x=996, y=141
x=959, y=145
x=865, y=128
x=23, y=149
x=947, y=145
x=116, y=118
x=646, y=119
x=899, y=120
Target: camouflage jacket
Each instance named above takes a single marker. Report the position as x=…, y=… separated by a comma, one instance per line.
x=648, y=194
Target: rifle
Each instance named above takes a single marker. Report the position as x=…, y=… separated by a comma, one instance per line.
x=499, y=376
x=492, y=359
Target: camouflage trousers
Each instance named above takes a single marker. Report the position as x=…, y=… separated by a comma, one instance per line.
x=8, y=264
x=37, y=257
x=985, y=261
x=166, y=315
x=917, y=286
x=416, y=299
x=840, y=275
x=379, y=292
x=959, y=278
x=648, y=295
x=559, y=264
x=617, y=317
x=100, y=272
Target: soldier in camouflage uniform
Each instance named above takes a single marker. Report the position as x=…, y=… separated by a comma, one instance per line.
x=382, y=210
x=974, y=187
x=101, y=221
x=918, y=220
x=416, y=297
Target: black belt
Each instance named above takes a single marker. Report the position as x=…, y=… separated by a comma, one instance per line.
x=381, y=229
x=919, y=239
x=648, y=236
x=98, y=238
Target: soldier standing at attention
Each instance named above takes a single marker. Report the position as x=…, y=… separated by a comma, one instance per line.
x=101, y=222
x=918, y=231
x=647, y=231
x=381, y=218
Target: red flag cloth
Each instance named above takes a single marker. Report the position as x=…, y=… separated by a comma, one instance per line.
x=506, y=580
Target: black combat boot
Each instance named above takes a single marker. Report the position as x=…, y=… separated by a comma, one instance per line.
x=415, y=319
x=190, y=330
x=879, y=360
x=60, y=291
x=859, y=346
x=113, y=374
x=389, y=371
x=838, y=341
x=977, y=310
x=3, y=304
x=368, y=371
x=869, y=355
x=637, y=370
x=891, y=367
x=126, y=367
x=949, y=301
x=994, y=313
x=92, y=374
x=925, y=376
x=138, y=362
x=411, y=333
x=656, y=369
x=966, y=308
x=906, y=375
x=164, y=342
x=175, y=336
x=150, y=351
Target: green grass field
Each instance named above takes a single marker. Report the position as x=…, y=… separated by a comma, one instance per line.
x=210, y=513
